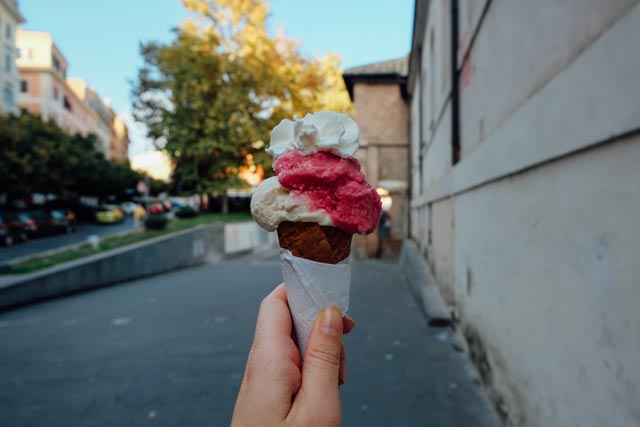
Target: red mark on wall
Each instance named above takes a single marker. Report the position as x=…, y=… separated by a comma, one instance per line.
x=462, y=47
x=465, y=73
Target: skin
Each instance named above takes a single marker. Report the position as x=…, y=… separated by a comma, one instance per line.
x=278, y=389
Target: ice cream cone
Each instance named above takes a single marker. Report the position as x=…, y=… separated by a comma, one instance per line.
x=314, y=242
x=318, y=199
x=316, y=271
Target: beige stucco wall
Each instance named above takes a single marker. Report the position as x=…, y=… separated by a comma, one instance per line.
x=533, y=236
x=120, y=142
x=49, y=90
x=36, y=49
x=40, y=99
x=103, y=119
x=551, y=279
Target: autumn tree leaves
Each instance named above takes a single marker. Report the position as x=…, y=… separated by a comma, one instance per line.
x=212, y=95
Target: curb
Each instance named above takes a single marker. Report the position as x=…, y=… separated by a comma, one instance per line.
x=186, y=248
x=423, y=285
x=13, y=261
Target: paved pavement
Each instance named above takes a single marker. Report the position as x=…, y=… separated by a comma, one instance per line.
x=34, y=246
x=170, y=351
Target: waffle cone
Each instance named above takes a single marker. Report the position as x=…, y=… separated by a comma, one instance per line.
x=314, y=242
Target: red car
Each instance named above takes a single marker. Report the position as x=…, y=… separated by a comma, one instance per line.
x=15, y=230
x=6, y=234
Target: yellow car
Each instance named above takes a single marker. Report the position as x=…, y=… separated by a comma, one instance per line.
x=109, y=214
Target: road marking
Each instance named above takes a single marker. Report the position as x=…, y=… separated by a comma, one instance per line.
x=121, y=321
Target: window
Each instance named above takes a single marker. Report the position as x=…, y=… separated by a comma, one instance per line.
x=55, y=93
x=67, y=104
x=8, y=95
x=24, y=86
x=8, y=31
x=56, y=62
x=7, y=63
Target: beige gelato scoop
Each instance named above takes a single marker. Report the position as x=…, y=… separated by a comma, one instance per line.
x=272, y=204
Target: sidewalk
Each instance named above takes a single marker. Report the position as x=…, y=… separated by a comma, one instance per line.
x=170, y=350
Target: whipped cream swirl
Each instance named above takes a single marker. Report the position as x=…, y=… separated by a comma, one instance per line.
x=321, y=131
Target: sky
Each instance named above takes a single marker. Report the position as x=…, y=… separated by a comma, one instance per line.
x=100, y=38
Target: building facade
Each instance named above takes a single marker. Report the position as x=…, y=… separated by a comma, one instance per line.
x=10, y=18
x=378, y=93
x=46, y=90
x=43, y=87
x=525, y=146
x=121, y=141
x=103, y=123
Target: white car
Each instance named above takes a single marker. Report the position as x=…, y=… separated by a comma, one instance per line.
x=129, y=207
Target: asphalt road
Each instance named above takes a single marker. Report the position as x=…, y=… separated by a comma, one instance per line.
x=34, y=246
x=170, y=351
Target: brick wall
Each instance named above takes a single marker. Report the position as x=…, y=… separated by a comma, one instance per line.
x=382, y=115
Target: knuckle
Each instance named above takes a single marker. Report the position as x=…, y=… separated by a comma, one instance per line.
x=323, y=356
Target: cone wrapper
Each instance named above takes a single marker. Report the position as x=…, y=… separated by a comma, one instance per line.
x=311, y=287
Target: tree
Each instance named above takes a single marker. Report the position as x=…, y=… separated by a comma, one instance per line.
x=212, y=95
x=32, y=156
x=37, y=156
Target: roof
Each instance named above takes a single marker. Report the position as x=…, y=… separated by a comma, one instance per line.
x=420, y=15
x=392, y=70
x=396, y=66
x=12, y=7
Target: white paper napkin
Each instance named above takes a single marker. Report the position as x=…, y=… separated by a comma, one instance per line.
x=311, y=287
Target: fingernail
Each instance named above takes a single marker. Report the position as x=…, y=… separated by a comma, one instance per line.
x=350, y=319
x=331, y=321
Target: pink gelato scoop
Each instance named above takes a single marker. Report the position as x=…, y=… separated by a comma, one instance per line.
x=334, y=184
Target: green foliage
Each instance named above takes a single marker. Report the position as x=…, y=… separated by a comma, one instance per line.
x=39, y=157
x=212, y=95
x=156, y=222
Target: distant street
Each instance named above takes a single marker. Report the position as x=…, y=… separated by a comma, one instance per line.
x=170, y=351
x=34, y=246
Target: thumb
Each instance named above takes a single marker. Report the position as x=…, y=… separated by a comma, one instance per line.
x=321, y=364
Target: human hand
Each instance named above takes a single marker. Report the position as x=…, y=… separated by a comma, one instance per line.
x=278, y=389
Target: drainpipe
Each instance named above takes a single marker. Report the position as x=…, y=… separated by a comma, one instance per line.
x=420, y=122
x=455, y=86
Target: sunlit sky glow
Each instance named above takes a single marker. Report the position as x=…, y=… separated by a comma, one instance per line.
x=100, y=38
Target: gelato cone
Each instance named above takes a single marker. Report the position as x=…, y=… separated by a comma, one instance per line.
x=317, y=201
x=314, y=242
x=311, y=287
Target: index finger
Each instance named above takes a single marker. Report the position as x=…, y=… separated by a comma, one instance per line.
x=274, y=319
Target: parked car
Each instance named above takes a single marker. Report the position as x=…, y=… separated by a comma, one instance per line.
x=155, y=208
x=6, y=236
x=129, y=207
x=68, y=215
x=52, y=222
x=22, y=222
x=177, y=205
x=86, y=213
x=109, y=214
x=9, y=233
x=69, y=209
